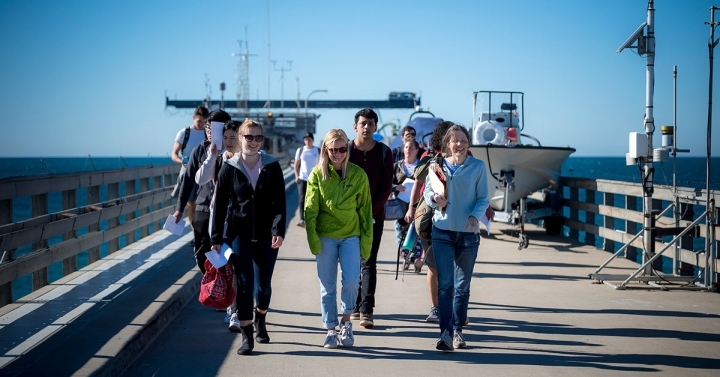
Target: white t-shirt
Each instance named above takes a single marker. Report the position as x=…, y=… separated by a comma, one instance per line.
x=308, y=159
x=196, y=137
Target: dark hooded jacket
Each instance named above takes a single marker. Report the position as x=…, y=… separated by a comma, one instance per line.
x=253, y=214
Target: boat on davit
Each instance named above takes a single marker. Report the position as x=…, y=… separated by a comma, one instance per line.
x=518, y=164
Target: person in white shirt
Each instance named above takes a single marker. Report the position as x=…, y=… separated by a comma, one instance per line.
x=306, y=157
x=185, y=141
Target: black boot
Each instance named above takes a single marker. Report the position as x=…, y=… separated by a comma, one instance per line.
x=248, y=343
x=262, y=335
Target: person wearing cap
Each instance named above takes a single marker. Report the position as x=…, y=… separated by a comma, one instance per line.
x=306, y=157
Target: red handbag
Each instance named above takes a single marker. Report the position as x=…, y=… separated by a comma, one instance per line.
x=216, y=290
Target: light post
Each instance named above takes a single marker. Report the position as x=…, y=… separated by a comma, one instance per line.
x=308, y=97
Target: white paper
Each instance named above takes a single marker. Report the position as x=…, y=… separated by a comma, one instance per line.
x=435, y=182
x=405, y=195
x=216, y=134
x=484, y=219
x=219, y=259
x=170, y=226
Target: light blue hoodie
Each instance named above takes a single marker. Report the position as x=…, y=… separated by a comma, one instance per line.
x=467, y=193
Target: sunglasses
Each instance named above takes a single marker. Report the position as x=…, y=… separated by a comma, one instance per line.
x=337, y=150
x=257, y=138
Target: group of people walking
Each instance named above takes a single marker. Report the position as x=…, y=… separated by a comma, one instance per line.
x=238, y=195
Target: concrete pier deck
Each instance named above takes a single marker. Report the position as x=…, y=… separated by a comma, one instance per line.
x=533, y=312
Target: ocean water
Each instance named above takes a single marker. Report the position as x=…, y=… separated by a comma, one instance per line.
x=690, y=172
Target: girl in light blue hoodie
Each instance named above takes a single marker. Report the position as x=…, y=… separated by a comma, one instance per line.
x=459, y=206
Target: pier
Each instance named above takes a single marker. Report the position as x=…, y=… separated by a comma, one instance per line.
x=534, y=311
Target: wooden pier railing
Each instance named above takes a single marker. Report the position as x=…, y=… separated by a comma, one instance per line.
x=608, y=214
x=135, y=201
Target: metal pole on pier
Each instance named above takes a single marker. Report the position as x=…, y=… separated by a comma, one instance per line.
x=648, y=231
x=709, y=264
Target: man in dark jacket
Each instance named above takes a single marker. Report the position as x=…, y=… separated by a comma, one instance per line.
x=376, y=160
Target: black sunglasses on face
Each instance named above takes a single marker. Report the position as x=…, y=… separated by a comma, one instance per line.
x=257, y=138
x=337, y=150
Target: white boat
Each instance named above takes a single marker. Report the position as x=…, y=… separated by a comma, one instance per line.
x=516, y=170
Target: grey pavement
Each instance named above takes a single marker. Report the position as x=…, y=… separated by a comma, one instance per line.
x=533, y=312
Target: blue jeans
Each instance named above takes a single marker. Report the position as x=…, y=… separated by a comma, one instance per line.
x=347, y=252
x=254, y=263
x=455, y=254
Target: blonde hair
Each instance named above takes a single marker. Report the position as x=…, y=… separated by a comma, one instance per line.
x=324, y=162
x=246, y=126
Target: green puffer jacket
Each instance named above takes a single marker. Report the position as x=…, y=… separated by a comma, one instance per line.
x=337, y=208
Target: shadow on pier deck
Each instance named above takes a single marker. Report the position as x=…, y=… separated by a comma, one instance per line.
x=532, y=312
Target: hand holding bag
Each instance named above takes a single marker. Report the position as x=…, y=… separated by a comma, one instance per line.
x=216, y=290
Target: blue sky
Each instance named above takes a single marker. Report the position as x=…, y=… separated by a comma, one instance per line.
x=82, y=77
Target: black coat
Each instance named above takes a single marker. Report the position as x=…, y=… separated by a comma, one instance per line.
x=253, y=214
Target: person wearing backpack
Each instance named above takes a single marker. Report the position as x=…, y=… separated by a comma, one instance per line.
x=185, y=141
x=203, y=192
x=459, y=202
x=306, y=157
x=430, y=155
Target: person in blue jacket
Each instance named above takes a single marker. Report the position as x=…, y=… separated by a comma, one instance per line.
x=459, y=202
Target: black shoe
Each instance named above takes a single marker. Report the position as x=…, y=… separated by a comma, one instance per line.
x=248, y=343
x=262, y=335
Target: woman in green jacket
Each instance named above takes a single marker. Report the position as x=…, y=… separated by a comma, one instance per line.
x=338, y=221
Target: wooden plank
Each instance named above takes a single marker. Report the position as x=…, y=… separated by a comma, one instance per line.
x=608, y=221
x=167, y=182
x=661, y=192
x=686, y=213
x=69, y=200
x=113, y=221
x=687, y=256
x=631, y=227
x=574, y=214
x=93, y=196
x=156, y=183
x=129, y=190
x=29, y=235
x=145, y=186
x=24, y=186
x=39, y=205
x=590, y=216
x=6, y=216
x=43, y=258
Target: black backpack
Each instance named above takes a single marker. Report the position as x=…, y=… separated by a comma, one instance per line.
x=186, y=138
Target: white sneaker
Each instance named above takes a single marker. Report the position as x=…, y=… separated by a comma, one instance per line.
x=433, y=316
x=234, y=323
x=228, y=314
x=331, y=340
x=459, y=340
x=347, y=338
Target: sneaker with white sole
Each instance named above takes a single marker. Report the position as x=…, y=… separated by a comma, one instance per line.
x=331, y=340
x=228, y=314
x=355, y=315
x=445, y=343
x=347, y=338
x=459, y=340
x=234, y=325
x=433, y=316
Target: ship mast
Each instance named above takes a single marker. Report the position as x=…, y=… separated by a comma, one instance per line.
x=243, y=83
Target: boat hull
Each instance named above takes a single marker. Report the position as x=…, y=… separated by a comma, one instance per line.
x=535, y=168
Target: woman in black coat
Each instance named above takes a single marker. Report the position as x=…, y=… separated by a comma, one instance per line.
x=250, y=198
